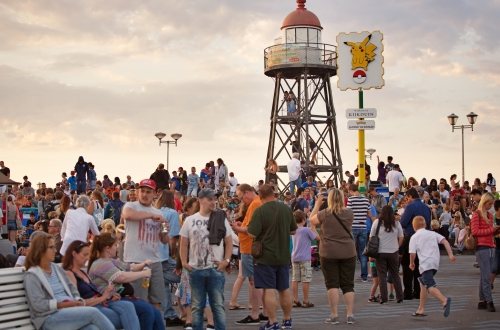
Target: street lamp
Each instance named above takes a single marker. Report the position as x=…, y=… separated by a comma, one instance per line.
x=452, y=119
x=370, y=152
x=175, y=137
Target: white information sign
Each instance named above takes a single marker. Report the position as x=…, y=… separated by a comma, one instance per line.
x=361, y=113
x=361, y=124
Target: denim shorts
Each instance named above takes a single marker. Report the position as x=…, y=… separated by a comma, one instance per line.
x=427, y=278
x=12, y=225
x=271, y=277
x=247, y=265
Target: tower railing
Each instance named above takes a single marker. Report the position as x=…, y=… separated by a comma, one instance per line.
x=300, y=54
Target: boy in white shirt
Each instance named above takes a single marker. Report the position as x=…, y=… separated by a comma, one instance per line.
x=424, y=243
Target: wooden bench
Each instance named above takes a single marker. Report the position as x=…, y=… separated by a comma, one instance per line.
x=14, y=312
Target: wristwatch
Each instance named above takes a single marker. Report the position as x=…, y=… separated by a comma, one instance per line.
x=228, y=260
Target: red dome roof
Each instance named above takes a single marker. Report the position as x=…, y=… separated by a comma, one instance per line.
x=301, y=16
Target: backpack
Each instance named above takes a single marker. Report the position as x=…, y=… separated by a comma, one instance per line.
x=115, y=213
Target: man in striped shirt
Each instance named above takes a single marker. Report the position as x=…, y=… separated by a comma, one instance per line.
x=360, y=206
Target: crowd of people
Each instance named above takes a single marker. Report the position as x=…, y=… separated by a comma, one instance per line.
x=126, y=255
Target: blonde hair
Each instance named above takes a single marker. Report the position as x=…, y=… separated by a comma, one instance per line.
x=435, y=224
x=335, y=200
x=487, y=197
x=418, y=222
x=108, y=226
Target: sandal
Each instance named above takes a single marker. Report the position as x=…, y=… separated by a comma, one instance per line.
x=307, y=304
x=418, y=314
x=296, y=304
x=235, y=307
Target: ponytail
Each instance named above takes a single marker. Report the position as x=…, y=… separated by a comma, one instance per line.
x=100, y=242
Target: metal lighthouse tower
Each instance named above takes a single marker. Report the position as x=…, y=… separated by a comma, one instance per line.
x=302, y=113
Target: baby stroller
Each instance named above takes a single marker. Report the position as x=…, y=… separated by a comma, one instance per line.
x=315, y=264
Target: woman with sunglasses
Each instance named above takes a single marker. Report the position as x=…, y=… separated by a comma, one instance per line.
x=120, y=312
x=104, y=268
x=53, y=301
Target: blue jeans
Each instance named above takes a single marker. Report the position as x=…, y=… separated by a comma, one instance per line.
x=169, y=277
x=87, y=318
x=294, y=184
x=150, y=317
x=360, y=238
x=81, y=186
x=121, y=313
x=192, y=191
x=485, y=258
x=211, y=282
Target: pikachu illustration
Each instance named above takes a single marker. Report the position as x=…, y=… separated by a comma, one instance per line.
x=362, y=53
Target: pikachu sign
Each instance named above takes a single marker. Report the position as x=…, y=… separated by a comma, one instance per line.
x=360, y=60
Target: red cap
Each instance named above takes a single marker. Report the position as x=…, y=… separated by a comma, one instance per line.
x=148, y=183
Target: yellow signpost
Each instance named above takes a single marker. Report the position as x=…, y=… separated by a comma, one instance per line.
x=360, y=67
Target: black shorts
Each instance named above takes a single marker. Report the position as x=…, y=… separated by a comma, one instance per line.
x=271, y=277
x=339, y=273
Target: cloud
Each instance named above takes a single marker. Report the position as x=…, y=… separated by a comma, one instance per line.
x=104, y=76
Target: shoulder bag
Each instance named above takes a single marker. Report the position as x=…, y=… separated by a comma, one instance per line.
x=343, y=226
x=371, y=249
x=257, y=246
x=470, y=242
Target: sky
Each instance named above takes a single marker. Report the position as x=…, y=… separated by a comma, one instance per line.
x=100, y=78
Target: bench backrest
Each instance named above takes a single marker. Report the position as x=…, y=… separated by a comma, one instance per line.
x=14, y=312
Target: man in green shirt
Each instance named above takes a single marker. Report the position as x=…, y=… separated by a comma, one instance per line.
x=272, y=224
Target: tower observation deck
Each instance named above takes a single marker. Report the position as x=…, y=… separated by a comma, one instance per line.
x=303, y=115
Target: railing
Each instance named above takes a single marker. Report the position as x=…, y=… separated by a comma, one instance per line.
x=300, y=53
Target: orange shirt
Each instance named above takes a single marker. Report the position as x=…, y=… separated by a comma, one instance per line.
x=245, y=239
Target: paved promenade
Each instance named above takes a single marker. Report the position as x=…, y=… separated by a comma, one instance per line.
x=459, y=281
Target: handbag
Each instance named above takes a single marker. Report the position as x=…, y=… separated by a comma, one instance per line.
x=371, y=249
x=257, y=246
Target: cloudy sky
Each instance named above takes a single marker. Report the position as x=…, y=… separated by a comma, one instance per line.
x=99, y=78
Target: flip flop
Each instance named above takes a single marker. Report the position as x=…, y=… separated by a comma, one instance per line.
x=418, y=314
x=235, y=307
x=447, y=307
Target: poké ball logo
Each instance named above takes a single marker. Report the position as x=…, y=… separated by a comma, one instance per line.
x=359, y=76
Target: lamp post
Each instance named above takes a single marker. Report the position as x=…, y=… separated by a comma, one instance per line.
x=175, y=137
x=370, y=152
x=452, y=119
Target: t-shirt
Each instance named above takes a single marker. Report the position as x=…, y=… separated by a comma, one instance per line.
x=425, y=244
x=359, y=206
x=172, y=218
x=103, y=271
x=302, y=244
x=233, y=182
x=72, y=183
x=293, y=168
x=177, y=182
x=205, y=175
x=276, y=219
x=202, y=255
x=142, y=238
x=445, y=219
x=336, y=242
x=193, y=180
x=245, y=239
x=388, y=241
x=56, y=285
x=394, y=178
x=444, y=195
